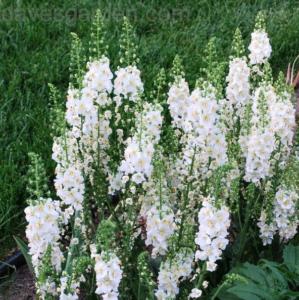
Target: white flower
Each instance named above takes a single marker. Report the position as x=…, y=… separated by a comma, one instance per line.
x=195, y=293
x=211, y=266
x=259, y=149
x=202, y=138
x=99, y=76
x=138, y=178
x=284, y=221
x=140, y=148
x=70, y=187
x=282, y=117
x=260, y=48
x=178, y=100
x=128, y=83
x=237, y=91
x=110, y=296
x=160, y=227
x=68, y=297
x=212, y=234
x=267, y=230
x=43, y=231
x=171, y=272
x=260, y=143
x=108, y=274
x=285, y=215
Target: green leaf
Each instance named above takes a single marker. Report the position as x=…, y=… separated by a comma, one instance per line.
x=225, y=295
x=245, y=295
x=276, y=275
x=251, y=291
x=289, y=295
x=254, y=273
x=25, y=251
x=291, y=258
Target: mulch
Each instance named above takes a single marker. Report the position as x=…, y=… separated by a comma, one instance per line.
x=19, y=287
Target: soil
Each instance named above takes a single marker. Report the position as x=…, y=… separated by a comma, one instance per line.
x=19, y=287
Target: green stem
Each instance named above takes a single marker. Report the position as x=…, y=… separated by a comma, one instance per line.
x=38, y=192
x=244, y=231
x=160, y=191
x=218, y=291
x=139, y=290
x=202, y=275
x=98, y=143
x=239, y=217
x=186, y=193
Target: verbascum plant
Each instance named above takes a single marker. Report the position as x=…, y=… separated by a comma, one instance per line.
x=158, y=193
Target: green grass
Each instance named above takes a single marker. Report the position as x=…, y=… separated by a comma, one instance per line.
x=34, y=51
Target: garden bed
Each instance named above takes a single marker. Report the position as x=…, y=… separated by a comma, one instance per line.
x=20, y=286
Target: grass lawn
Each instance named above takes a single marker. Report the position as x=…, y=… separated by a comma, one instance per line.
x=34, y=48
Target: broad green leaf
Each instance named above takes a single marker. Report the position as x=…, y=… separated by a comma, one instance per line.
x=251, y=291
x=254, y=273
x=274, y=273
x=291, y=258
x=289, y=295
x=225, y=295
x=245, y=295
x=25, y=251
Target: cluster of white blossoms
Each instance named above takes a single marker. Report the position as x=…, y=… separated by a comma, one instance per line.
x=70, y=188
x=285, y=214
x=128, y=83
x=99, y=76
x=139, y=150
x=201, y=113
x=212, y=233
x=178, y=101
x=64, y=151
x=160, y=226
x=108, y=274
x=97, y=84
x=203, y=141
x=267, y=229
x=71, y=114
x=273, y=122
x=285, y=220
x=43, y=230
x=171, y=272
x=89, y=116
x=67, y=283
x=260, y=48
x=282, y=115
x=238, y=86
x=260, y=146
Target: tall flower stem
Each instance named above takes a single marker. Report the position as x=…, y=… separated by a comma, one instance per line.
x=244, y=231
x=186, y=194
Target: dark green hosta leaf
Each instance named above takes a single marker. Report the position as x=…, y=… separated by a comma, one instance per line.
x=254, y=273
x=266, y=281
x=225, y=295
x=289, y=295
x=276, y=276
x=291, y=258
x=251, y=291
